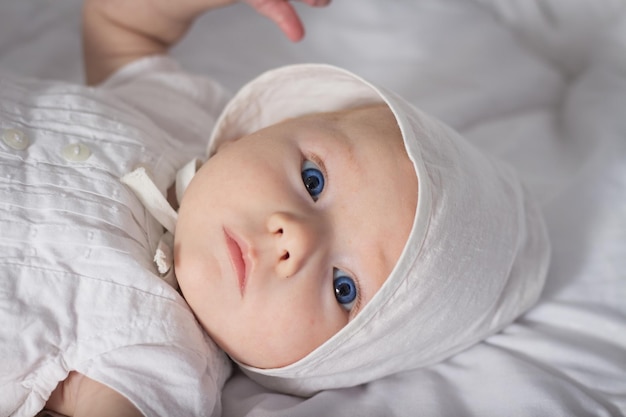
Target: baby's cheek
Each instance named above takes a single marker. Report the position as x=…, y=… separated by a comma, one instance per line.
x=309, y=331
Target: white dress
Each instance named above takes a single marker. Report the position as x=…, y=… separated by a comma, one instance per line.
x=78, y=286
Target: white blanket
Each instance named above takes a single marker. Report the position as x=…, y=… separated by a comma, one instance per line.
x=540, y=83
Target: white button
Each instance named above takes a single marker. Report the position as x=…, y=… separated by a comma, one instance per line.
x=15, y=139
x=76, y=152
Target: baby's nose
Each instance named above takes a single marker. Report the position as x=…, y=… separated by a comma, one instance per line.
x=295, y=241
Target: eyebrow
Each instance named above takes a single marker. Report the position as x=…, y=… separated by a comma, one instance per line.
x=349, y=148
x=348, y=157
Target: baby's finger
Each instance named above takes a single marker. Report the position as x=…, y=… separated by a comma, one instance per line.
x=316, y=3
x=283, y=14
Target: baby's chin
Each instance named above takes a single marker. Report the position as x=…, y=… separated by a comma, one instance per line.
x=265, y=356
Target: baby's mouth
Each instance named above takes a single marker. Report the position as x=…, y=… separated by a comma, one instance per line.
x=237, y=259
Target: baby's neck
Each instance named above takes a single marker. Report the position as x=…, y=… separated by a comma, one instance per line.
x=171, y=196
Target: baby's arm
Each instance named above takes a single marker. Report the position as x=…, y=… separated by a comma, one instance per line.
x=79, y=396
x=117, y=32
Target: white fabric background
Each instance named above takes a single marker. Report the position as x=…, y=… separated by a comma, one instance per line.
x=540, y=83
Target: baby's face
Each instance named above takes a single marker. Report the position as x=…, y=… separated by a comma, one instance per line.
x=284, y=235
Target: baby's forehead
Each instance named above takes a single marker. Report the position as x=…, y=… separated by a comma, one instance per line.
x=365, y=138
x=376, y=121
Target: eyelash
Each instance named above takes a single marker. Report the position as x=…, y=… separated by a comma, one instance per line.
x=357, y=301
x=317, y=160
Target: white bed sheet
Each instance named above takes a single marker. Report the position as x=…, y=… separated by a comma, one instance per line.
x=540, y=83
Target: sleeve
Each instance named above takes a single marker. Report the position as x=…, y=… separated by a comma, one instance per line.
x=182, y=104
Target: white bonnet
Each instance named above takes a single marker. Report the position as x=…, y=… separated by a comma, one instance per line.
x=476, y=257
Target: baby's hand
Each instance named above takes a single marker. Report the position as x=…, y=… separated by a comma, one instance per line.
x=284, y=15
x=116, y=32
x=79, y=396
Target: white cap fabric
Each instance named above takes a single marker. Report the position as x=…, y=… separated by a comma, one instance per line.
x=476, y=258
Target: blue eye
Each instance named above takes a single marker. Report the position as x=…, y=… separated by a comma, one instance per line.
x=345, y=289
x=313, y=179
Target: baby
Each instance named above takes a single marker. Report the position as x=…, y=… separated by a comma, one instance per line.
x=334, y=235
